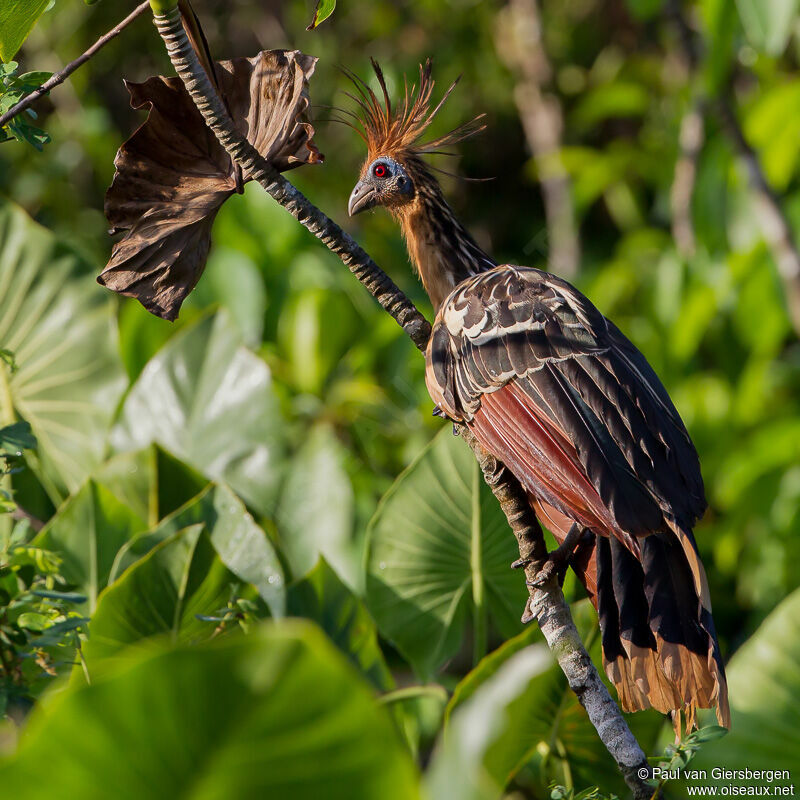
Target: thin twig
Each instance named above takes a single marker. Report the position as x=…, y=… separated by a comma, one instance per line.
x=59, y=77
x=519, y=43
x=546, y=601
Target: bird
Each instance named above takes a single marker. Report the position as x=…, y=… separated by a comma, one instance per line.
x=560, y=397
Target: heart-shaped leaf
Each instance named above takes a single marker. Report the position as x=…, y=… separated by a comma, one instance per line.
x=87, y=533
x=209, y=401
x=278, y=713
x=240, y=543
x=163, y=594
x=439, y=551
x=61, y=330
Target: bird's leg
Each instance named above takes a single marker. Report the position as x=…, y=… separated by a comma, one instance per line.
x=558, y=559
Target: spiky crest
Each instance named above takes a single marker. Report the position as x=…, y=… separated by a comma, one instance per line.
x=397, y=131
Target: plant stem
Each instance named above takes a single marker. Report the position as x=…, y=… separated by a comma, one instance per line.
x=479, y=625
x=63, y=74
x=546, y=602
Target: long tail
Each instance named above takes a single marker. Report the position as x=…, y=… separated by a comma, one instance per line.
x=660, y=647
x=659, y=644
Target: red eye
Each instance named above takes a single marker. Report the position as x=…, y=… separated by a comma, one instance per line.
x=380, y=171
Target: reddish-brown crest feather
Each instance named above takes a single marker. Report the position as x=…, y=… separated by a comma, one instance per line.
x=398, y=130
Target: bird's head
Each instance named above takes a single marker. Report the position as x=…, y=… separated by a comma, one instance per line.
x=394, y=173
x=384, y=181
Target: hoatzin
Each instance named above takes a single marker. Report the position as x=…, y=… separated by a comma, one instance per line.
x=558, y=394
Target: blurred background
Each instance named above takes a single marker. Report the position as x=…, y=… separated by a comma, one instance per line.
x=646, y=151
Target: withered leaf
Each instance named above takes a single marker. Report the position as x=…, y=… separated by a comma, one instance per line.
x=172, y=175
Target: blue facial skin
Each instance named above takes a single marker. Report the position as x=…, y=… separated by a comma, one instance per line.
x=385, y=182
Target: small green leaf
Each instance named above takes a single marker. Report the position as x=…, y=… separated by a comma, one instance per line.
x=16, y=438
x=17, y=18
x=323, y=10
x=33, y=621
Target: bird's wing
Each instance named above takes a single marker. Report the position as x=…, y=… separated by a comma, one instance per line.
x=559, y=394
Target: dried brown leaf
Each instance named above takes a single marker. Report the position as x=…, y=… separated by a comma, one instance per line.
x=172, y=175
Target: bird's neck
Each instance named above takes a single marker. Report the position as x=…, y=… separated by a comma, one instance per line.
x=439, y=246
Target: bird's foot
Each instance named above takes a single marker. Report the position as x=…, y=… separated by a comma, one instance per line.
x=557, y=560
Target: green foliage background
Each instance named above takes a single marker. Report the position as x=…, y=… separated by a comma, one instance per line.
x=285, y=384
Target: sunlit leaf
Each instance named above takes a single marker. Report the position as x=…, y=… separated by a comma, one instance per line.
x=209, y=400
x=17, y=18
x=315, y=515
x=322, y=11
x=768, y=23
x=61, y=329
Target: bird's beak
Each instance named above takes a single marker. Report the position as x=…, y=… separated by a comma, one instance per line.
x=362, y=197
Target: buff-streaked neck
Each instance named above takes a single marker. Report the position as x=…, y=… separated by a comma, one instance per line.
x=441, y=249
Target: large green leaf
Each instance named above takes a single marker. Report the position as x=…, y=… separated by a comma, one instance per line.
x=515, y=710
x=322, y=597
x=88, y=532
x=17, y=18
x=163, y=594
x=315, y=515
x=60, y=326
x=240, y=543
x=440, y=550
x=151, y=481
x=209, y=400
x=764, y=689
x=768, y=23
x=277, y=714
